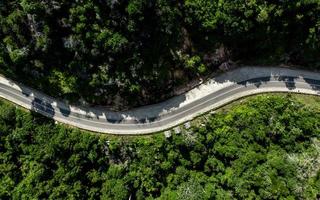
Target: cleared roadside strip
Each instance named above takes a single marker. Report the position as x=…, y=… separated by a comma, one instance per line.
x=170, y=119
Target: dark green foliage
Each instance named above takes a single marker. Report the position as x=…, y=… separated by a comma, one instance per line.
x=98, y=50
x=267, y=148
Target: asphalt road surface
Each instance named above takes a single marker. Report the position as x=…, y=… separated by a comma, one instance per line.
x=115, y=124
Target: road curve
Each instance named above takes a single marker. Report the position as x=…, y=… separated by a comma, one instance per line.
x=212, y=94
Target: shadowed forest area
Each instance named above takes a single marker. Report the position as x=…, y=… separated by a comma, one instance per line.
x=125, y=54
x=267, y=147
x=130, y=53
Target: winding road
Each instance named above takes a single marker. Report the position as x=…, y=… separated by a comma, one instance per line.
x=212, y=94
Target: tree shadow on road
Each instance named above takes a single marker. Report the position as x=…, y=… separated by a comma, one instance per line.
x=50, y=107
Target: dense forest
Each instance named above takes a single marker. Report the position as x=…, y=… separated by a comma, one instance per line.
x=265, y=148
x=136, y=52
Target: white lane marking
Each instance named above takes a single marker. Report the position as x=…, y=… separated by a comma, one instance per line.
x=161, y=119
